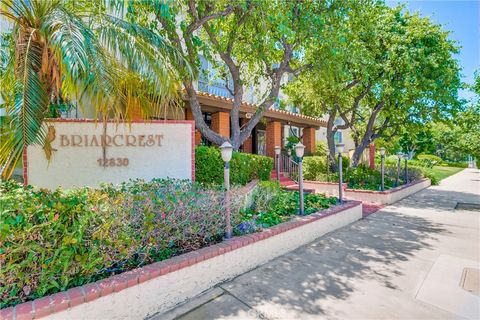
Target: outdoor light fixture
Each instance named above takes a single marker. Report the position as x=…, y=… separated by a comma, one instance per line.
x=299, y=151
x=382, y=168
x=397, y=181
x=339, y=148
x=227, y=149
x=277, y=161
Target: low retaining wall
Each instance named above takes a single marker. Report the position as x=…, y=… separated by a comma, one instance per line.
x=160, y=286
x=388, y=196
x=329, y=188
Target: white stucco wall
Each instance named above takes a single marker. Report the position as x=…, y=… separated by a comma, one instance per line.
x=153, y=150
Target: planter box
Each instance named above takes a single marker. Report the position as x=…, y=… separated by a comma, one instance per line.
x=382, y=197
x=329, y=188
x=388, y=196
x=160, y=286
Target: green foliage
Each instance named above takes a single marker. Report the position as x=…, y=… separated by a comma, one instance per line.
x=321, y=149
x=314, y=167
x=54, y=240
x=454, y=164
x=68, y=50
x=401, y=73
x=431, y=159
x=272, y=205
x=317, y=168
x=244, y=167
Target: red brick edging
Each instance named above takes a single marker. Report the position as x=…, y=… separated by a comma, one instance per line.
x=73, y=297
x=393, y=190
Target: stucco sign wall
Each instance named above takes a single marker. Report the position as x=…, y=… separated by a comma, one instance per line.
x=87, y=153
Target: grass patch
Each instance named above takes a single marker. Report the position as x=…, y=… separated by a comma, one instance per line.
x=443, y=172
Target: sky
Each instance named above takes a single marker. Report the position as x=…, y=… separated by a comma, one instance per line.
x=462, y=18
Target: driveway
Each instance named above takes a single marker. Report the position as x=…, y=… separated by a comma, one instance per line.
x=409, y=260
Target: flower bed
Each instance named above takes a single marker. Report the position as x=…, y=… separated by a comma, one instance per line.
x=54, y=240
x=142, y=292
x=365, y=178
x=272, y=205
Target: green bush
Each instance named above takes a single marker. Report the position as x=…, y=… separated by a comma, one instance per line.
x=53, y=240
x=455, y=164
x=272, y=205
x=244, y=167
x=431, y=159
x=314, y=167
x=321, y=149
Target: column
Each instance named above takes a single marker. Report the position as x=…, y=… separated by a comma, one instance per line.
x=221, y=123
x=274, y=137
x=309, y=140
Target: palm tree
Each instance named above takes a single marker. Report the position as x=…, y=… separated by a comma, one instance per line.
x=78, y=50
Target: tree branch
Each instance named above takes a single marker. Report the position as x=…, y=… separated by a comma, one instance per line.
x=199, y=22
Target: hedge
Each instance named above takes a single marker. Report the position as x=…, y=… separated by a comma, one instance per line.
x=455, y=164
x=244, y=167
x=315, y=168
x=54, y=240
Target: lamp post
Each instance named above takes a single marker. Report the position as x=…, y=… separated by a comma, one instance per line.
x=406, y=167
x=382, y=168
x=397, y=181
x=299, y=151
x=226, y=150
x=277, y=161
x=340, y=147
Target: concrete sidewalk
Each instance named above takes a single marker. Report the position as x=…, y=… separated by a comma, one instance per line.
x=404, y=262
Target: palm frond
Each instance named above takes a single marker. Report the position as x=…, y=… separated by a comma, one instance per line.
x=31, y=101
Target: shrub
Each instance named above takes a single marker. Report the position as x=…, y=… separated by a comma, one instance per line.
x=455, y=164
x=272, y=205
x=244, y=167
x=313, y=167
x=53, y=240
x=321, y=149
x=430, y=159
x=316, y=168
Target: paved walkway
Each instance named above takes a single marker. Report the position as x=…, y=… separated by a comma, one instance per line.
x=403, y=262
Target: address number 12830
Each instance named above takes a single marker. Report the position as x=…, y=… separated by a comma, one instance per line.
x=113, y=162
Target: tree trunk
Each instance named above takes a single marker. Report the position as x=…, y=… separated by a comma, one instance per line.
x=331, y=140
x=357, y=154
x=369, y=135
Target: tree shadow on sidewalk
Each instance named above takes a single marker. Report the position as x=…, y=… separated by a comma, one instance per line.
x=438, y=199
x=329, y=267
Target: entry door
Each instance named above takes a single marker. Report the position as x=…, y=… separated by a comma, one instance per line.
x=261, y=142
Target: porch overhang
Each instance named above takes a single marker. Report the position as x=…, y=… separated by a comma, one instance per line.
x=214, y=103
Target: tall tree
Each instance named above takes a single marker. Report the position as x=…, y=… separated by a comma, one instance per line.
x=74, y=49
x=254, y=41
x=399, y=71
